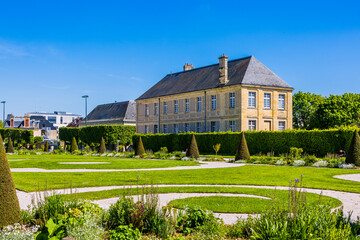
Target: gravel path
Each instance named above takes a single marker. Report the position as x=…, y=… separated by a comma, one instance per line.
x=350, y=177
x=203, y=165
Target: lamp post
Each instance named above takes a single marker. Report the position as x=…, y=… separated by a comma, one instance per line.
x=86, y=97
x=3, y=102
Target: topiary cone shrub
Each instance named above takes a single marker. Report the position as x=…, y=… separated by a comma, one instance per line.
x=9, y=203
x=242, y=153
x=74, y=146
x=10, y=147
x=46, y=149
x=353, y=154
x=193, y=150
x=140, y=150
x=102, y=146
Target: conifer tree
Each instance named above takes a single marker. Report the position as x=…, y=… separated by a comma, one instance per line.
x=193, y=150
x=74, y=146
x=353, y=154
x=242, y=152
x=140, y=150
x=10, y=147
x=102, y=146
x=46, y=149
x=9, y=203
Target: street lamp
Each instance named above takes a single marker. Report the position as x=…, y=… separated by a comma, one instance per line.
x=3, y=102
x=86, y=97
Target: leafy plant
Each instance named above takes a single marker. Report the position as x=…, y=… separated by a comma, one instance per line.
x=353, y=155
x=216, y=148
x=124, y=232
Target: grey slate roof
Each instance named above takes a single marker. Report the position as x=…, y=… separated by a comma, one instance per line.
x=248, y=71
x=125, y=110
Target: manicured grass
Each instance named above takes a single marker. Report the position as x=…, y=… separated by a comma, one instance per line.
x=54, y=162
x=321, y=178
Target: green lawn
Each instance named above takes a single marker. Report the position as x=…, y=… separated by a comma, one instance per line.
x=321, y=178
x=54, y=162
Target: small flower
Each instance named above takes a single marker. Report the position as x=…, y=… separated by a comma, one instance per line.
x=296, y=180
x=138, y=176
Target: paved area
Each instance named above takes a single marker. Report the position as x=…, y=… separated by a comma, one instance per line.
x=350, y=177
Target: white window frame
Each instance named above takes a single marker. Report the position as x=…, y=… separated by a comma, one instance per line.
x=187, y=103
x=213, y=102
x=199, y=103
x=198, y=127
x=186, y=127
x=176, y=106
x=252, y=99
x=232, y=126
x=282, y=101
x=146, y=110
x=156, y=108
x=165, y=108
x=281, y=128
x=252, y=125
x=267, y=100
x=232, y=100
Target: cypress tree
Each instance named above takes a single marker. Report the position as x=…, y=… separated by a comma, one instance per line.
x=102, y=146
x=140, y=150
x=74, y=146
x=193, y=150
x=242, y=153
x=9, y=203
x=353, y=154
x=9, y=147
x=46, y=149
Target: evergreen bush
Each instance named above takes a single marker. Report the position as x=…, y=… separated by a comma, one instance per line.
x=242, y=152
x=9, y=147
x=140, y=150
x=9, y=203
x=353, y=154
x=192, y=150
x=46, y=148
x=74, y=146
x=102, y=146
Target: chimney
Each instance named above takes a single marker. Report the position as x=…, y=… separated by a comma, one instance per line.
x=11, y=120
x=188, y=67
x=26, y=120
x=223, y=70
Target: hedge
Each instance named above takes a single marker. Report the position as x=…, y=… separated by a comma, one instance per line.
x=17, y=134
x=93, y=134
x=318, y=142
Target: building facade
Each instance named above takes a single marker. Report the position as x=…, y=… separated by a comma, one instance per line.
x=58, y=118
x=237, y=95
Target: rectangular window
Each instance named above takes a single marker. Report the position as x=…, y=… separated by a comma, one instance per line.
x=232, y=126
x=176, y=128
x=267, y=100
x=146, y=110
x=252, y=99
x=187, y=129
x=281, y=101
x=61, y=120
x=232, y=100
x=213, y=102
x=156, y=108
x=252, y=124
x=176, y=106
x=165, y=107
x=146, y=129
x=165, y=128
x=186, y=105
x=281, y=125
x=155, y=128
x=198, y=127
x=213, y=126
x=52, y=119
x=199, y=104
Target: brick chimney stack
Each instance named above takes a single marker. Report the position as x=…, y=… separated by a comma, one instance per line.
x=11, y=120
x=26, y=120
x=223, y=70
x=188, y=66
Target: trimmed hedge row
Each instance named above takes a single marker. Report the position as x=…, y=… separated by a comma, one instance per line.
x=93, y=134
x=17, y=134
x=318, y=142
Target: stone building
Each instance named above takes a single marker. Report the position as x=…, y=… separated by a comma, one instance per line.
x=237, y=95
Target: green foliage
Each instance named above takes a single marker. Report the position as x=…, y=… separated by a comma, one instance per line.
x=140, y=150
x=66, y=134
x=38, y=139
x=242, y=152
x=216, y=148
x=46, y=148
x=9, y=203
x=192, y=150
x=353, y=154
x=313, y=142
x=102, y=148
x=125, y=233
x=74, y=146
x=1, y=124
x=9, y=147
x=18, y=135
x=295, y=153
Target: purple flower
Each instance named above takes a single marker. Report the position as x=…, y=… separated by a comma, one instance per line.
x=138, y=176
x=296, y=180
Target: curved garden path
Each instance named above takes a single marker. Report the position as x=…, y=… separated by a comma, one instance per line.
x=350, y=177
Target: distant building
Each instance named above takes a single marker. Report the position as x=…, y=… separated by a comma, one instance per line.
x=118, y=113
x=58, y=118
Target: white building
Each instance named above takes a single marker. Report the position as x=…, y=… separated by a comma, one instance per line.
x=59, y=119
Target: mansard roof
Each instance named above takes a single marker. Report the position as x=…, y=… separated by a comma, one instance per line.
x=125, y=110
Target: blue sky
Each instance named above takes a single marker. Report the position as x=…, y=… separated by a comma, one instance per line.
x=53, y=52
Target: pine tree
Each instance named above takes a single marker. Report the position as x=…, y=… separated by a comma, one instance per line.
x=102, y=146
x=9, y=203
x=353, y=154
x=74, y=146
x=46, y=149
x=193, y=150
x=140, y=150
x=242, y=152
x=9, y=147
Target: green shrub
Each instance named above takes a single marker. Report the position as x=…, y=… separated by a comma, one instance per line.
x=9, y=147
x=38, y=139
x=353, y=154
x=74, y=146
x=140, y=150
x=9, y=203
x=192, y=150
x=242, y=152
x=295, y=153
x=19, y=135
x=102, y=146
x=119, y=213
x=125, y=233
x=46, y=148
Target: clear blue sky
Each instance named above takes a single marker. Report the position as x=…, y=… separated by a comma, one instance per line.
x=53, y=52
